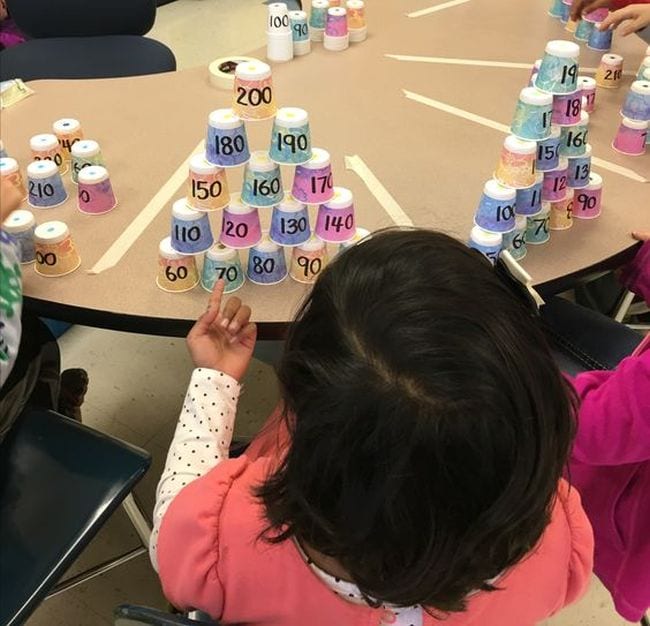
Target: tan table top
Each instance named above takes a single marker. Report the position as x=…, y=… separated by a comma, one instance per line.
x=432, y=162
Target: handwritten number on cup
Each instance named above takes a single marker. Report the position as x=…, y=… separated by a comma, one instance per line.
x=266, y=188
x=48, y=258
x=325, y=183
x=236, y=230
x=261, y=266
x=291, y=225
x=41, y=190
x=201, y=190
x=294, y=142
x=181, y=273
x=336, y=222
x=309, y=266
x=183, y=233
x=227, y=145
x=254, y=97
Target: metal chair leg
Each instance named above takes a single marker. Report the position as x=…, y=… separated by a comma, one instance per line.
x=138, y=519
x=624, y=307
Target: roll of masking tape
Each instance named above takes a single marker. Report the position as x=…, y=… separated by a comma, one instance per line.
x=222, y=71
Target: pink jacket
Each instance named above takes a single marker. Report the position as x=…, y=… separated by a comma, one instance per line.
x=610, y=466
x=210, y=558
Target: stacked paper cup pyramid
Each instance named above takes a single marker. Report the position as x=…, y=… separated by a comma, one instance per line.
x=543, y=177
x=263, y=191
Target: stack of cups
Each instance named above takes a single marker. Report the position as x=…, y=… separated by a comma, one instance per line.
x=587, y=87
x=637, y=102
x=318, y=19
x=21, y=225
x=610, y=71
x=279, y=39
x=336, y=36
x=357, y=28
x=300, y=33
x=55, y=252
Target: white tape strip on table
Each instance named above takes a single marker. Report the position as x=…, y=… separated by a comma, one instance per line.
x=123, y=243
x=436, y=8
x=383, y=196
x=484, y=121
x=481, y=63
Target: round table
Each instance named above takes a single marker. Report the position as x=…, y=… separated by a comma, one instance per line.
x=433, y=161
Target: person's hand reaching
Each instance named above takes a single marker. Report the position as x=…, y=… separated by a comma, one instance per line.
x=579, y=7
x=641, y=235
x=223, y=339
x=628, y=20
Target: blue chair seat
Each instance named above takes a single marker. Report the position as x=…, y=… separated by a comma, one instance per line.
x=59, y=483
x=86, y=57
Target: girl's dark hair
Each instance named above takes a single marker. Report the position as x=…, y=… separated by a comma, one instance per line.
x=429, y=422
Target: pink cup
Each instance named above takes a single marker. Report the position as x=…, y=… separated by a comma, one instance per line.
x=630, y=138
x=335, y=221
x=94, y=192
x=555, y=182
x=337, y=22
x=588, y=200
x=567, y=109
x=240, y=225
x=312, y=181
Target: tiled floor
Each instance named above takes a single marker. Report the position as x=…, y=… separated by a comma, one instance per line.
x=137, y=382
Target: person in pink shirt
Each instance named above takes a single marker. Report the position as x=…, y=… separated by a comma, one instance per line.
x=413, y=472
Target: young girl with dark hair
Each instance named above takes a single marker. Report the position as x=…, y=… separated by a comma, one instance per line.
x=413, y=473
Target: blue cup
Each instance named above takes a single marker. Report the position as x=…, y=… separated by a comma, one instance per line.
x=558, y=72
x=637, y=102
x=191, y=232
x=565, y=12
x=290, y=223
x=299, y=26
x=496, y=209
x=583, y=30
x=515, y=241
x=45, y=187
x=226, y=144
x=290, y=137
x=529, y=200
x=262, y=186
x=599, y=39
x=20, y=227
x=533, y=113
x=556, y=9
x=548, y=152
x=266, y=263
x=222, y=263
x=579, y=170
x=537, y=226
x=488, y=244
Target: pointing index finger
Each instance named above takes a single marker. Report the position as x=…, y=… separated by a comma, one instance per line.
x=215, y=297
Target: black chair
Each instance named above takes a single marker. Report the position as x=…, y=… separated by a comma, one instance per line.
x=59, y=483
x=81, y=39
x=130, y=615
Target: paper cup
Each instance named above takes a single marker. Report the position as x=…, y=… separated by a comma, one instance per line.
x=279, y=47
x=300, y=33
x=95, y=193
x=240, y=225
x=191, y=232
x=361, y=234
x=599, y=39
x=356, y=14
x=566, y=11
x=308, y=261
x=556, y=181
x=56, y=254
x=226, y=144
x=571, y=25
x=516, y=167
x=262, y=185
x=266, y=263
x=336, y=23
x=335, y=221
x=21, y=225
x=515, y=241
x=46, y=147
x=317, y=19
x=10, y=171
x=573, y=139
x=587, y=201
x=207, y=185
x=222, y=263
x=637, y=102
x=278, y=19
x=68, y=132
x=290, y=137
x=537, y=226
x=253, y=95
x=290, y=223
x=631, y=137
x=561, y=215
x=587, y=86
x=579, y=170
x=558, y=73
x=583, y=30
x=567, y=109
x=488, y=244
x=610, y=71
x=533, y=72
x=312, y=181
x=496, y=209
x=45, y=187
x=548, y=151
x=597, y=15
x=556, y=9
x=645, y=65
x=532, y=118
x=529, y=200
x=176, y=272
x=84, y=154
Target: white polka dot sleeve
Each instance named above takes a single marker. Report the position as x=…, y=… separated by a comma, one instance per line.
x=202, y=439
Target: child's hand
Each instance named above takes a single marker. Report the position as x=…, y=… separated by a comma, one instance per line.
x=578, y=7
x=224, y=340
x=635, y=16
x=641, y=236
x=10, y=199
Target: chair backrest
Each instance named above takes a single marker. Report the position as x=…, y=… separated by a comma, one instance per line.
x=131, y=615
x=82, y=18
x=59, y=483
